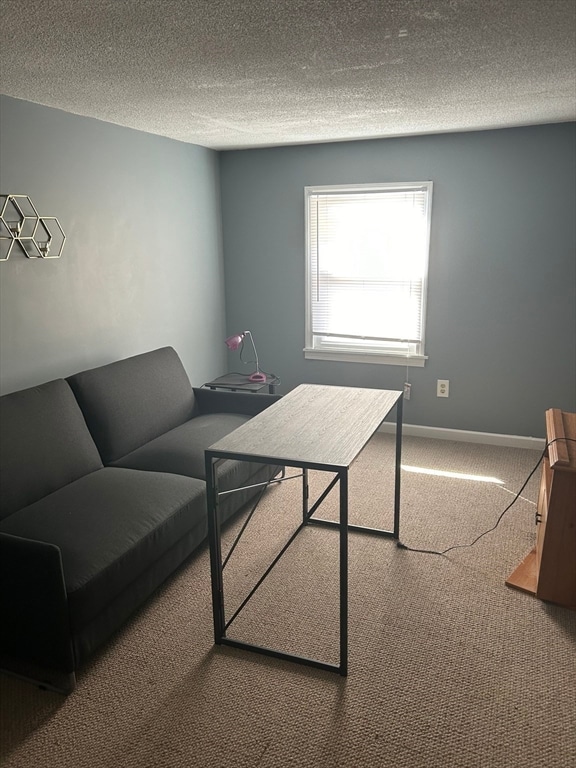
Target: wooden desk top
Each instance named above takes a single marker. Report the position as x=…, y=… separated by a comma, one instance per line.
x=313, y=425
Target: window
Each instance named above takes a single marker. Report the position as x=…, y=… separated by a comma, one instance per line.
x=366, y=264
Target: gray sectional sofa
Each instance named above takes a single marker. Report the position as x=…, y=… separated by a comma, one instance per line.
x=102, y=496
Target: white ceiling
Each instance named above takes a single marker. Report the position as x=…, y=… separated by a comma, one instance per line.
x=250, y=73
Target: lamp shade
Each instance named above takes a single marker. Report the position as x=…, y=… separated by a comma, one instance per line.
x=233, y=342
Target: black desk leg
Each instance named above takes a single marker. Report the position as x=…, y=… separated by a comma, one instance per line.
x=343, y=478
x=305, y=495
x=398, y=466
x=215, y=549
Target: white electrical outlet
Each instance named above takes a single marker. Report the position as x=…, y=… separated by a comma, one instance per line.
x=443, y=388
x=407, y=388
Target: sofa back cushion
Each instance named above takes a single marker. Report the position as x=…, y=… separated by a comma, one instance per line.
x=44, y=444
x=130, y=402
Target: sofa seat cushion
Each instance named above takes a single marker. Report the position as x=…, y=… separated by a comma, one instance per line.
x=182, y=449
x=110, y=526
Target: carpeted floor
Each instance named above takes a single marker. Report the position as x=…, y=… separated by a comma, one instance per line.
x=448, y=668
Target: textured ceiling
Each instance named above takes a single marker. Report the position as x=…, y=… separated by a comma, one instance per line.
x=239, y=73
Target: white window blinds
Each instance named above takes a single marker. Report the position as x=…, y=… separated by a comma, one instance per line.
x=368, y=257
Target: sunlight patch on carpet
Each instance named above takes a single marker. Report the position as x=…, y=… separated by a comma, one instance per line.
x=455, y=475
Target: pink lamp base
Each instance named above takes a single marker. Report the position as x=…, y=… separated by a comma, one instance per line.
x=257, y=376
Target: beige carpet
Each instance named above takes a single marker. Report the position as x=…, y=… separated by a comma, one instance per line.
x=447, y=667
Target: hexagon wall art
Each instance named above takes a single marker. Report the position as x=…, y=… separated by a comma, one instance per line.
x=22, y=228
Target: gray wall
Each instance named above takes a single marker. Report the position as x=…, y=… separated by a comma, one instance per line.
x=142, y=266
x=501, y=318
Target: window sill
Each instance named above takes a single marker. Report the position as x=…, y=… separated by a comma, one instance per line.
x=374, y=358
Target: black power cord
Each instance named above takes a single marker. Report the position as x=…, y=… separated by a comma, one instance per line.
x=400, y=545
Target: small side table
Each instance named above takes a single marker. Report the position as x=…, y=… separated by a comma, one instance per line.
x=241, y=383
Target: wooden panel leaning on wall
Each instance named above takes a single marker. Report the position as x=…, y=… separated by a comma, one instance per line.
x=549, y=570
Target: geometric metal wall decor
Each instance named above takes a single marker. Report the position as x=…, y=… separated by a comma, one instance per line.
x=22, y=227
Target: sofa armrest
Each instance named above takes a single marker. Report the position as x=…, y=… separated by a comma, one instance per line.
x=220, y=401
x=34, y=623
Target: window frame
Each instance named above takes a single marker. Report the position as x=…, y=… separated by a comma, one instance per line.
x=362, y=351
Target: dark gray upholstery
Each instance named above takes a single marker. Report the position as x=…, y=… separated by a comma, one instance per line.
x=44, y=444
x=82, y=545
x=110, y=526
x=132, y=401
x=91, y=636
x=34, y=622
x=181, y=450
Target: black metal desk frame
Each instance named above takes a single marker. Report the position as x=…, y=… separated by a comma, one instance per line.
x=213, y=457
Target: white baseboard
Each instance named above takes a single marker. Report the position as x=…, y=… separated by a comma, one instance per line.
x=467, y=436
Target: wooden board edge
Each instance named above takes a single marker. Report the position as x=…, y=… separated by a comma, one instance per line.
x=525, y=576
